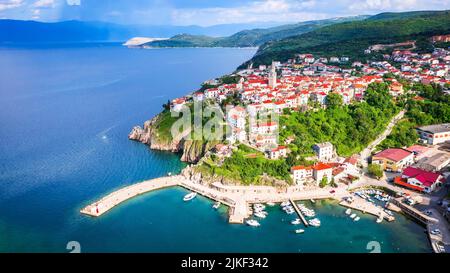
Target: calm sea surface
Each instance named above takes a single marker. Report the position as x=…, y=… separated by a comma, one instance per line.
x=65, y=113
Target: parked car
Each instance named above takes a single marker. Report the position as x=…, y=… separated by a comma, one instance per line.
x=435, y=232
x=332, y=191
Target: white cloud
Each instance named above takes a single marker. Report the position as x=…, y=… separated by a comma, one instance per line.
x=42, y=4
x=256, y=11
x=397, y=5
x=10, y=4
x=73, y=2
x=36, y=14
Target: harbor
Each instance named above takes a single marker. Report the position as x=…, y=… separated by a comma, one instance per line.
x=234, y=197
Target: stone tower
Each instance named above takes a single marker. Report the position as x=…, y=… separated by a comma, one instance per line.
x=273, y=76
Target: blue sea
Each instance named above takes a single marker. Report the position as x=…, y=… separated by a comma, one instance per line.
x=65, y=113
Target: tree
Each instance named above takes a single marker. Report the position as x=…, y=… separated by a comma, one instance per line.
x=166, y=106
x=334, y=100
x=323, y=182
x=375, y=170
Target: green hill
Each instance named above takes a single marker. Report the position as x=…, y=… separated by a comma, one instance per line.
x=250, y=38
x=352, y=38
x=186, y=40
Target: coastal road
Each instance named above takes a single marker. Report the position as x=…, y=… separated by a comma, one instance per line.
x=365, y=154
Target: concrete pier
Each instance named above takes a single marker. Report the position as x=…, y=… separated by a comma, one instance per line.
x=367, y=207
x=300, y=214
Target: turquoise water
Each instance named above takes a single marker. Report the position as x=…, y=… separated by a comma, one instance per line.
x=65, y=114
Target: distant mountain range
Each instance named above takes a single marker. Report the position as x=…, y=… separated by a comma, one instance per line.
x=352, y=38
x=17, y=31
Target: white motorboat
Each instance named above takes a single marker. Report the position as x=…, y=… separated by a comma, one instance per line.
x=285, y=203
x=348, y=211
x=252, y=223
x=290, y=211
x=314, y=222
x=356, y=219
x=216, y=205
x=313, y=201
x=353, y=215
x=259, y=206
x=379, y=219
x=270, y=204
x=260, y=214
x=189, y=196
x=299, y=231
x=296, y=221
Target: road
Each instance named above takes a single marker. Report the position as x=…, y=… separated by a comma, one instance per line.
x=365, y=154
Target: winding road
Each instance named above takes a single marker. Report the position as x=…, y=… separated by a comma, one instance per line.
x=365, y=154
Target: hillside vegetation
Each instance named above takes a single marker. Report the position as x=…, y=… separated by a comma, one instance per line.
x=250, y=38
x=352, y=38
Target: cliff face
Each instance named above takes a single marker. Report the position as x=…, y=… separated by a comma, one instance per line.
x=192, y=150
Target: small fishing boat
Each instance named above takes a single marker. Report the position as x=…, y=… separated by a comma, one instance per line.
x=313, y=201
x=285, y=203
x=356, y=219
x=353, y=215
x=260, y=215
x=348, y=211
x=314, y=222
x=270, y=204
x=379, y=219
x=189, y=197
x=252, y=223
x=216, y=205
x=296, y=221
x=299, y=231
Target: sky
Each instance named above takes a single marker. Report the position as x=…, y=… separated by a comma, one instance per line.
x=203, y=12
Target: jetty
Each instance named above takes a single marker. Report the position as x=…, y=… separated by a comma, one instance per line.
x=115, y=198
x=237, y=198
x=360, y=204
x=300, y=214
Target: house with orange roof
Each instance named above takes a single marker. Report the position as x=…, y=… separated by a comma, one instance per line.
x=301, y=174
x=276, y=153
x=322, y=170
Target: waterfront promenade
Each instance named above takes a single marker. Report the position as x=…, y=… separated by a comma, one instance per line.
x=237, y=198
x=115, y=198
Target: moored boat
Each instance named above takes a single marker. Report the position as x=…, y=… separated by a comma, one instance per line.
x=189, y=196
x=299, y=231
x=296, y=221
x=252, y=223
x=357, y=218
x=260, y=214
x=353, y=215
x=348, y=211
x=216, y=205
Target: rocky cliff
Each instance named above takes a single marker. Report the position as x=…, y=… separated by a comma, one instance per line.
x=157, y=138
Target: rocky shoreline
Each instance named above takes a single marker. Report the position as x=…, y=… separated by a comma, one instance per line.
x=192, y=150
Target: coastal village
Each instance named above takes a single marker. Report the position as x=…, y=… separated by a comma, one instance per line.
x=413, y=178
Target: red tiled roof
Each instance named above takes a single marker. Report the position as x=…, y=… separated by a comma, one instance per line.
x=426, y=178
x=394, y=154
x=402, y=182
x=418, y=149
x=296, y=168
x=322, y=166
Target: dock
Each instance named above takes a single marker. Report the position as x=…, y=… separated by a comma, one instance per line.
x=300, y=214
x=367, y=207
x=115, y=198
